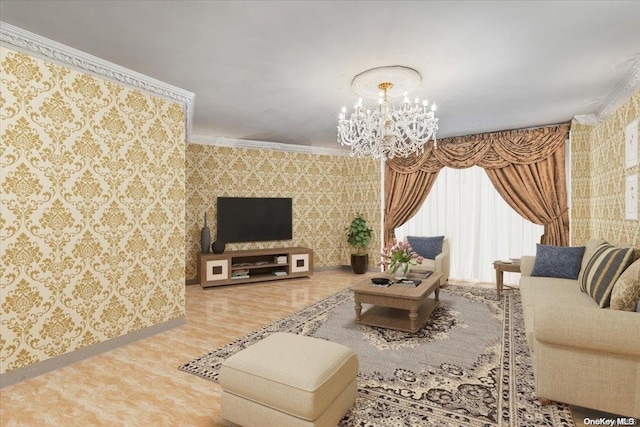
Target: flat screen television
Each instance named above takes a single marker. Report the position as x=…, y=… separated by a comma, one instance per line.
x=254, y=219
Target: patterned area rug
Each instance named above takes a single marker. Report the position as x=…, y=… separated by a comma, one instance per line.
x=468, y=366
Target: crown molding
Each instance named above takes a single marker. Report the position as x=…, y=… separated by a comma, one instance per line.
x=47, y=49
x=627, y=86
x=587, y=119
x=262, y=145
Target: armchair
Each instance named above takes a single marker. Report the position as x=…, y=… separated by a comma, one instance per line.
x=428, y=247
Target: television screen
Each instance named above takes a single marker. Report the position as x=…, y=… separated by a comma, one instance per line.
x=254, y=219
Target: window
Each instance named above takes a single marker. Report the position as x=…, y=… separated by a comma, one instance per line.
x=464, y=206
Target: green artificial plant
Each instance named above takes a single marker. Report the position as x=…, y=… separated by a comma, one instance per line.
x=358, y=233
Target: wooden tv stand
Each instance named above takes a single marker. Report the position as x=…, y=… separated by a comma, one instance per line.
x=260, y=264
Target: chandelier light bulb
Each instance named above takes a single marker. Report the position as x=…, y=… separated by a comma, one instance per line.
x=433, y=107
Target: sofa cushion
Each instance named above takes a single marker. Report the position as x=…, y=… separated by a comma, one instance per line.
x=602, y=271
x=558, y=261
x=426, y=247
x=626, y=291
x=537, y=291
x=427, y=265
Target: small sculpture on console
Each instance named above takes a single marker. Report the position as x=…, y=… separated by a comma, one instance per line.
x=218, y=247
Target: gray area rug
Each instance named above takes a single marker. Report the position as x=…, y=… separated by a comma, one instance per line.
x=468, y=366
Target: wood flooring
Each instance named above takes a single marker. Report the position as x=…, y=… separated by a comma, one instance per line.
x=139, y=384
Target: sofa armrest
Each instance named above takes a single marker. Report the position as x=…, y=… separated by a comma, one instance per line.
x=596, y=329
x=526, y=264
x=442, y=264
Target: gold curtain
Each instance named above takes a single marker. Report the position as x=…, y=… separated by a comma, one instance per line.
x=537, y=192
x=404, y=194
x=526, y=167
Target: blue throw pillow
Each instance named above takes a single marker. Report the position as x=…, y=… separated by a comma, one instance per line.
x=558, y=261
x=426, y=247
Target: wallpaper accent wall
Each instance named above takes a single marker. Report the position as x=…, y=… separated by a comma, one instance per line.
x=362, y=179
x=91, y=210
x=325, y=190
x=598, y=179
x=580, y=203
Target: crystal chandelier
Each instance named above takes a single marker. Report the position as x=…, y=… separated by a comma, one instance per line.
x=387, y=131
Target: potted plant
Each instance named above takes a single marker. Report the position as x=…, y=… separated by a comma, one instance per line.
x=358, y=236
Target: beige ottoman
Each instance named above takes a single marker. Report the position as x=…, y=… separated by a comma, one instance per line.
x=289, y=380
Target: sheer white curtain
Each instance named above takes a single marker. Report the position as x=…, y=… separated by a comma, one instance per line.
x=464, y=206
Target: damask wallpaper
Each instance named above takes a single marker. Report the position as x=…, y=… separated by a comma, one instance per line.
x=326, y=192
x=598, y=179
x=91, y=210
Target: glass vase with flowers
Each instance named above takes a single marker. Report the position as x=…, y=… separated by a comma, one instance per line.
x=398, y=257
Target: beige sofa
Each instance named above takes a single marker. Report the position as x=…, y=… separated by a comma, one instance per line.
x=582, y=354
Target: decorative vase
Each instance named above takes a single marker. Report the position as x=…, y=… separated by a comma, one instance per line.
x=205, y=237
x=402, y=270
x=217, y=247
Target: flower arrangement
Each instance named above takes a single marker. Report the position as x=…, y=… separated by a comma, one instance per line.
x=399, y=254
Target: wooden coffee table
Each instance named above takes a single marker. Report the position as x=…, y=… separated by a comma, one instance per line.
x=397, y=307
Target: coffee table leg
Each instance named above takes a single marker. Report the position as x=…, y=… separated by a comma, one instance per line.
x=498, y=281
x=358, y=310
x=413, y=316
x=437, y=292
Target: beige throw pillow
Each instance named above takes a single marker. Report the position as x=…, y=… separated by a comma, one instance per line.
x=590, y=249
x=603, y=270
x=626, y=292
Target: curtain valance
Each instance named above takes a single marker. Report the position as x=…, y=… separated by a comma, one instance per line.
x=489, y=151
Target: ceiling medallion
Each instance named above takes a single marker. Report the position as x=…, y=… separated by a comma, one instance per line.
x=386, y=131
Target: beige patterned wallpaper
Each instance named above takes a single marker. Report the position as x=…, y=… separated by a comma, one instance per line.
x=598, y=179
x=325, y=190
x=361, y=193
x=91, y=210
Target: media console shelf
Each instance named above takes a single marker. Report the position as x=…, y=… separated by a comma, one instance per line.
x=257, y=265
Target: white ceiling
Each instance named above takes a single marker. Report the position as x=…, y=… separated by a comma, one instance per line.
x=280, y=71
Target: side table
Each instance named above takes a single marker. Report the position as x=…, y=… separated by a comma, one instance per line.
x=501, y=267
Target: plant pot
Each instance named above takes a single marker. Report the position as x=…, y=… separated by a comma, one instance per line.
x=359, y=263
